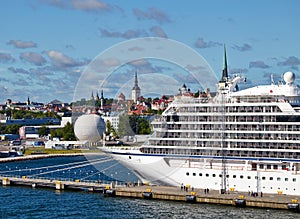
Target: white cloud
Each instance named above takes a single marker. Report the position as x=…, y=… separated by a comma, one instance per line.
x=151, y=14
x=60, y=60
x=33, y=57
x=22, y=44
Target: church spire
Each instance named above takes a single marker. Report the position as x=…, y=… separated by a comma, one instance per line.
x=136, y=91
x=28, y=101
x=101, y=100
x=136, y=81
x=92, y=96
x=225, y=70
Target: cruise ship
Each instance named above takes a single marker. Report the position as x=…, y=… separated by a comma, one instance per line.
x=235, y=140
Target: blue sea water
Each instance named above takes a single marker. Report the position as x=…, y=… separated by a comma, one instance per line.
x=27, y=202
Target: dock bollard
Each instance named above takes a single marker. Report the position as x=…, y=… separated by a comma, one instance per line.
x=240, y=201
x=293, y=205
x=147, y=194
x=59, y=185
x=109, y=192
x=191, y=198
x=5, y=181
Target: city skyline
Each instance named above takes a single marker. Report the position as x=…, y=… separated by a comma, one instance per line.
x=46, y=45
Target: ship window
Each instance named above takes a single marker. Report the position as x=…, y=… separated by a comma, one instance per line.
x=234, y=176
x=220, y=175
x=194, y=174
x=200, y=174
x=283, y=167
x=261, y=166
x=249, y=177
x=271, y=178
x=263, y=178
x=214, y=175
x=207, y=175
x=294, y=179
x=286, y=179
x=227, y=176
x=278, y=179
x=269, y=166
x=275, y=167
x=241, y=176
x=187, y=173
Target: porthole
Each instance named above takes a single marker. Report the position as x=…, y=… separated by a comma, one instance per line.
x=194, y=174
x=187, y=173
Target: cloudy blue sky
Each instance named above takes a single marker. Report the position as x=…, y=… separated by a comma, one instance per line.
x=46, y=45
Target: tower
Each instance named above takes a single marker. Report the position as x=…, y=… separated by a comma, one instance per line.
x=225, y=70
x=136, y=91
x=223, y=85
x=101, y=100
x=92, y=96
x=28, y=101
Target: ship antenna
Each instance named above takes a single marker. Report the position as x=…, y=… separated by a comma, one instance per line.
x=272, y=79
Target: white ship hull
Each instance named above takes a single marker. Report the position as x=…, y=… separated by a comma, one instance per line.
x=180, y=170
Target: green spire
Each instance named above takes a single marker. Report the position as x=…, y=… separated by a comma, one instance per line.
x=225, y=71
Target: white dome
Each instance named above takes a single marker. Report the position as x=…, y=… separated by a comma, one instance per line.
x=289, y=77
x=89, y=127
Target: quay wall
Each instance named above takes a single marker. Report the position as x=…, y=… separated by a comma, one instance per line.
x=270, y=201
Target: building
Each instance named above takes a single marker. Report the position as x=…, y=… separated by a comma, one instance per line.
x=35, y=121
x=66, y=145
x=114, y=121
x=136, y=91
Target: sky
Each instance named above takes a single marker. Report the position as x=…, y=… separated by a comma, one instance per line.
x=69, y=49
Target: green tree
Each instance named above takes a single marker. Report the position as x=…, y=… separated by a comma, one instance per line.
x=12, y=129
x=43, y=131
x=2, y=128
x=68, y=132
x=124, y=126
x=108, y=127
x=143, y=126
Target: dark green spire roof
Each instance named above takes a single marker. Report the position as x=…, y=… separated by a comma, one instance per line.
x=225, y=71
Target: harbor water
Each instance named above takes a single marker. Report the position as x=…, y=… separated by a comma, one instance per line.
x=27, y=202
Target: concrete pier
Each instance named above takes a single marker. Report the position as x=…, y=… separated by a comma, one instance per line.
x=272, y=201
